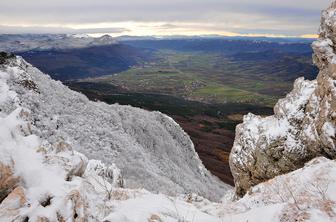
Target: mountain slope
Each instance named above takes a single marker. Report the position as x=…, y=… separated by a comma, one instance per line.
x=152, y=151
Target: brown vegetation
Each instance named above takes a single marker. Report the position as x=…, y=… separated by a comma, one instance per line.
x=8, y=181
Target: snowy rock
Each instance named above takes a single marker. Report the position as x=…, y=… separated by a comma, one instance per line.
x=35, y=188
x=100, y=172
x=307, y=194
x=302, y=128
x=61, y=154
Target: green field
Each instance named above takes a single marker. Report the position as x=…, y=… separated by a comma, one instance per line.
x=208, y=78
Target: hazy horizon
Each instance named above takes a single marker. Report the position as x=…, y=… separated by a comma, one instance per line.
x=296, y=18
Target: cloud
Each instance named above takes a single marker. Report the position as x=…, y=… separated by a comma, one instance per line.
x=272, y=16
x=168, y=26
x=57, y=30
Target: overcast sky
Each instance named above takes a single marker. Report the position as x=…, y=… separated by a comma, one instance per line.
x=162, y=17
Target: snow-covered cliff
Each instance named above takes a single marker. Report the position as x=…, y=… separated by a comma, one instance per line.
x=152, y=151
x=303, y=126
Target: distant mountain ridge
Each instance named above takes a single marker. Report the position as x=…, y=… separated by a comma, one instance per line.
x=92, y=61
x=36, y=42
x=70, y=57
x=223, y=45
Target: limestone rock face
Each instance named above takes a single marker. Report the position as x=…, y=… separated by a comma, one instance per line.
x=303, y=125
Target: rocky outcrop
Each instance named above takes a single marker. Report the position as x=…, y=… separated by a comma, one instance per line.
x=302, y=128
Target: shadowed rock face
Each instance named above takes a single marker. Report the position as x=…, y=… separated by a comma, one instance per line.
x=302, y=127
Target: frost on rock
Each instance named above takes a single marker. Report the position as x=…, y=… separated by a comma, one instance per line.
x=303, y=125
x=99, y=172
x=36, y=184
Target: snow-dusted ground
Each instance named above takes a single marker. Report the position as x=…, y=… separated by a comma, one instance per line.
x=152, y=151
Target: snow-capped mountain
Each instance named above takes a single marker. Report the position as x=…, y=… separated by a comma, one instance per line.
x=80, y=36
x=21, y=43
x=104, y=40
